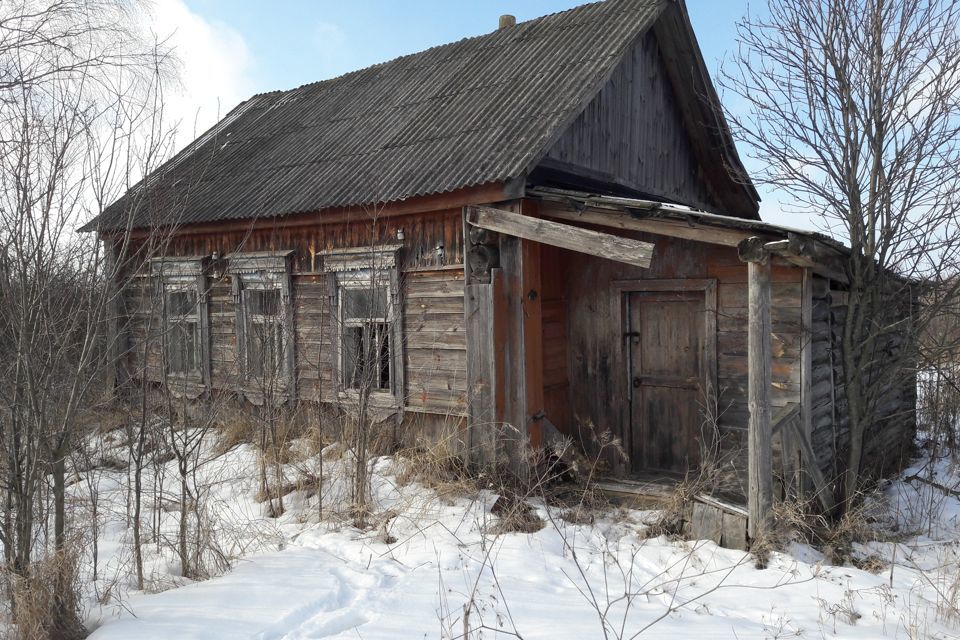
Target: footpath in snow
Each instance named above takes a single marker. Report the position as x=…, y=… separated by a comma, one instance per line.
x=430, y=561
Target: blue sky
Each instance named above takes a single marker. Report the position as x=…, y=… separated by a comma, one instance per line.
x=298, y=41
x=235, y=48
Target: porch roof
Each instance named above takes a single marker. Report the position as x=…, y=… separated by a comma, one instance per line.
x=800, y=247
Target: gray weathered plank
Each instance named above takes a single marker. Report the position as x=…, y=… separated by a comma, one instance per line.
x=565, y=236
x=760, y=494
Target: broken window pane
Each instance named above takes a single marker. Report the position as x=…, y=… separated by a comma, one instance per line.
x=181, y=303
x=264, y=321
x=366, y=356
x=265, y=349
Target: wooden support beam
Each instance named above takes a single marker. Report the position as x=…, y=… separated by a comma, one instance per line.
x=617, y=219
x=810, y=254
x=806, y=365
x=565, y=236
x=760, y=451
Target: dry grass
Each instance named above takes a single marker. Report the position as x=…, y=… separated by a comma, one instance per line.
x=48, y=599
x=234, y=427
x=438, y=466
x=801, y=521
x=515, y=515
x=872, y=563
x=272, y=493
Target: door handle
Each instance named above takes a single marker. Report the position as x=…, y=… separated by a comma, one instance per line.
x=636, y=383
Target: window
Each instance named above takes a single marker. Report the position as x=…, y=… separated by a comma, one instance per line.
x=183, y=331
x=367, y=329
x=262, y=293
x=182, y=285
x=264, y=313
x=366, y=339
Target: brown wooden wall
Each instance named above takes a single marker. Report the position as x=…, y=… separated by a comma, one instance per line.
x=423, y=233
x=556, y=381
x=431, y=286
x=594, y=334
x=634, y=133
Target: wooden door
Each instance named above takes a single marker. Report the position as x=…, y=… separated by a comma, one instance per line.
x=666, y=372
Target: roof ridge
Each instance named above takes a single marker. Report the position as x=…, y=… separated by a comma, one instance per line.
x=474, y=111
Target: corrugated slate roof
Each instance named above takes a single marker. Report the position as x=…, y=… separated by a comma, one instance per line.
x=478, y=111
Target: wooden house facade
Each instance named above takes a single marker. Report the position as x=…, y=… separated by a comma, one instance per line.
x=516, y=226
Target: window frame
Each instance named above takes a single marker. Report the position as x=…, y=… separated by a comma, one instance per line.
x=366, y=280
x=193, y=318
x=263, y=271
x=360, y=268
x=250, y=319
x=173, y=275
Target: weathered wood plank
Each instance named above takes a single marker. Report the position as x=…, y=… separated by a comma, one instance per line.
x=616, y=219
x=821, y=488
x=478, y=317
x=782, y=294
x=760, y=494
x=565, y=236
x=734, y=531
x=433, y=288
x=707, y=522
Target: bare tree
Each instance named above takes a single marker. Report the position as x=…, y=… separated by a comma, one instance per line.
x=853, y=109
x=77, y=108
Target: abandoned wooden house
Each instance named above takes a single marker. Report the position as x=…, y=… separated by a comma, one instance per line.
x=542, y=229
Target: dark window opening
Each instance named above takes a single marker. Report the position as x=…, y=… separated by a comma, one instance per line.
x=366, y=356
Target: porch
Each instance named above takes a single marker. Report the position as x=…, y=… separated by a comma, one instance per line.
x=663, y=366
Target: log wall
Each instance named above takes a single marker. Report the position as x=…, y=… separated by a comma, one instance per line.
x=431, y=294
x=887, y=444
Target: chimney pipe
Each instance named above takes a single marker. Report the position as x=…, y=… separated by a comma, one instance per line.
x=507, y=20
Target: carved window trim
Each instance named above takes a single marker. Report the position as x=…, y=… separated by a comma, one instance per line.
x=175, y=275
x=262, y=272
x=370, y=268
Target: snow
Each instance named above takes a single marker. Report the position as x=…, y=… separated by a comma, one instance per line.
x=428, y=555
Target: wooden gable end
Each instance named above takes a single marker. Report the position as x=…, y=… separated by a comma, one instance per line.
x=640, y=137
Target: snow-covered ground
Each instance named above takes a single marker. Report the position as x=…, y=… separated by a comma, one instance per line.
x=429, y=560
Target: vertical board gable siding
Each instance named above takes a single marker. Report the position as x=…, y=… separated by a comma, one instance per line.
x=634, y=132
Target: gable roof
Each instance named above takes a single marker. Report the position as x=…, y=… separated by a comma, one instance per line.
x=479, y=111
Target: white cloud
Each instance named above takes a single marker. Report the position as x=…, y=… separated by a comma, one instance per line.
x=214, y=68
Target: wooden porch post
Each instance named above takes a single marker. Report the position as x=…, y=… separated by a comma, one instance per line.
x=760, y=471
x=504, y=349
